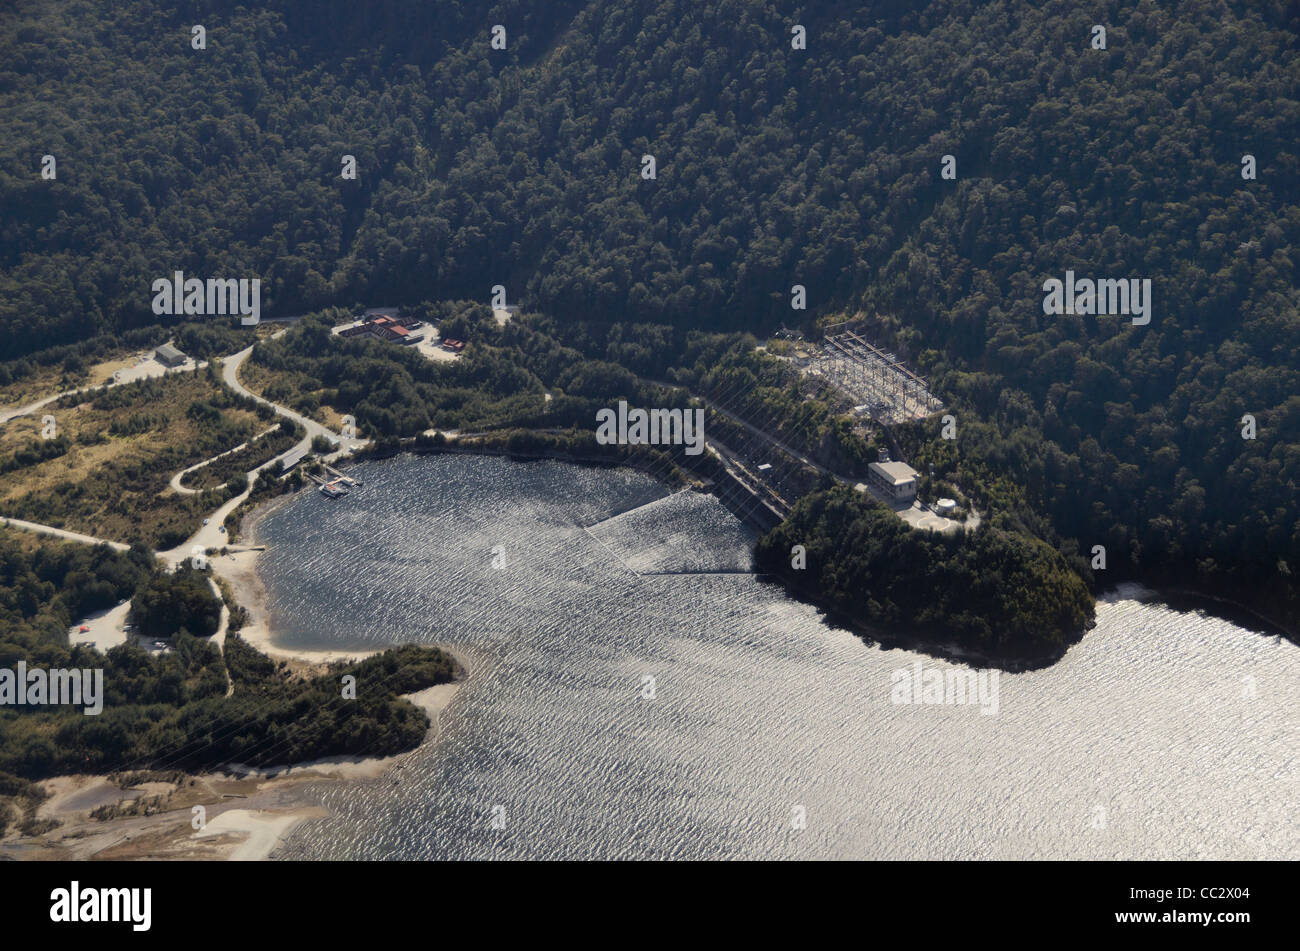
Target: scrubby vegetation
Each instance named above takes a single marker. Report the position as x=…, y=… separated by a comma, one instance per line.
x=241, y=462
x=19, y=800
x=107, y=472
x=170, y=710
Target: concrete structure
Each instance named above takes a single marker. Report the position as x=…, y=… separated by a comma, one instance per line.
x=169, y=356
x=945, y=506
x=896, y=479
x=293, y=457
x=878, y=381
x=333, y=489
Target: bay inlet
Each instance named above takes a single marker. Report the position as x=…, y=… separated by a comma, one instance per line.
x=770, y=734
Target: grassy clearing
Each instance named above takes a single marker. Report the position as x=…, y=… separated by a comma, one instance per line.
x=54, y=379
x=107, y=470
x=300, y=392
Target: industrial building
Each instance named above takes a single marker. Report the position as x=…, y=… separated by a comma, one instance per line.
x=169, y=356
x=896, y=479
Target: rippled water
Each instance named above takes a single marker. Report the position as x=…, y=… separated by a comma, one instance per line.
x=1162, y=735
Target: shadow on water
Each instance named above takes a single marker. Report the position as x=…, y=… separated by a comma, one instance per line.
x=929, y=644
x=1205, y=605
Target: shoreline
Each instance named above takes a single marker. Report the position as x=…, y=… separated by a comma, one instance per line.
x=937, y=648
x=239, y=570
x=1178, y=598
x=250, y=812
x=247, y=812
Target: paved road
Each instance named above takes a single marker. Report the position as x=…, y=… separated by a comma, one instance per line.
x=61, y=533
x=211, y=535
x=31, y=408
x=176, y=479
x=230, y=373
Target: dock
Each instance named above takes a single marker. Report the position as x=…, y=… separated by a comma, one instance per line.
x=347, y=480
x=332, y=490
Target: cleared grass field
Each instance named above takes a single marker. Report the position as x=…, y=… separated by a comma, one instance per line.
x=48, y=380
x=106, y=470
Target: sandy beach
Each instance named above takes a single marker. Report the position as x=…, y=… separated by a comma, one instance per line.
x=244, y=813
x=238, y=814
x=239, y=568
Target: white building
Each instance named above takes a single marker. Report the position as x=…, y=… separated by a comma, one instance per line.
x=896, y=479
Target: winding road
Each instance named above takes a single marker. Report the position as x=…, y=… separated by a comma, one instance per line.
x=210, y=534
x=176, y=479
x=230, y=373
x=146, y=368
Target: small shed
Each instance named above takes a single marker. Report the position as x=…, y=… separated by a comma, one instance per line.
x=169, y=356
x=292, y=458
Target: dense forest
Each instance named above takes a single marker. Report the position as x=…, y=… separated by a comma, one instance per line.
x=998, y=595
x=775, y=166
x=168, y=604
x=522, y=166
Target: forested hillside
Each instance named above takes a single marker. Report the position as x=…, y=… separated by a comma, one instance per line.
x=522, y=166
x=775, y=166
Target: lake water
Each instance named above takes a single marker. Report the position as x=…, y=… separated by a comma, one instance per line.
x=1163, y=734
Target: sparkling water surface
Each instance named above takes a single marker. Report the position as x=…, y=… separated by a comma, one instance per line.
x=1163, y=734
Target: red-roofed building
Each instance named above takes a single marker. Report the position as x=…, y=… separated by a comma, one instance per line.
x=383, y=327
